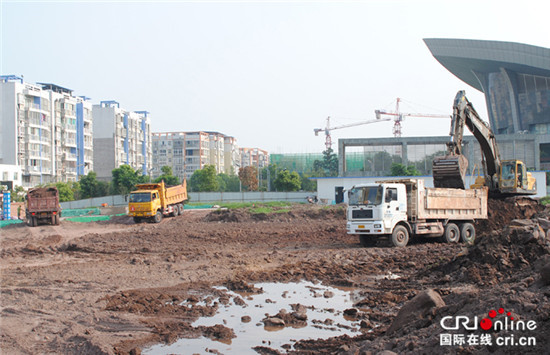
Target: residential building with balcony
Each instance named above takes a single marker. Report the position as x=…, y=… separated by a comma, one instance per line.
x=45, y=130
x=254, y=157
x=186, y=152
x=120, y=137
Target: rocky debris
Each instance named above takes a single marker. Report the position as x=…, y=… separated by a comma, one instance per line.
x=219, y=332
x=298, y=318
x=417, y=308
x=273, y=322
x=240, y=285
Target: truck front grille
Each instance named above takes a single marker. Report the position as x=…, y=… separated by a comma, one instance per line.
x=361, y=214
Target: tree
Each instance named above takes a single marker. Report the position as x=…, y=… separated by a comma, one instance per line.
x=402, y=170
x=231, y=183
x=18, y=194
x=287, y=181
x=167, y=176
x=328, y=166
x=249, y=178
x=204, y=179
x=308, y=184
x=89, y=185
x=125, y=179
x=65, y=191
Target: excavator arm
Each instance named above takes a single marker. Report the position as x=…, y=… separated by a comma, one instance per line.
x=450, y=170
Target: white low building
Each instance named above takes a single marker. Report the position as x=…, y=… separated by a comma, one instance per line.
x=331, y=189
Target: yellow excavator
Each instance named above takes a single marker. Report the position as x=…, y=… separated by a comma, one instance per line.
x=502, y=177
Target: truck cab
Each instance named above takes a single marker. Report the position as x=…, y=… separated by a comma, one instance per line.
x=144, y=203
x=376, y=208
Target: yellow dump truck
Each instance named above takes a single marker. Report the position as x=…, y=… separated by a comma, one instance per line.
x=153, y=201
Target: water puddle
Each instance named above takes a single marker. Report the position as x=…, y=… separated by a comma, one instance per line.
x=276, y=318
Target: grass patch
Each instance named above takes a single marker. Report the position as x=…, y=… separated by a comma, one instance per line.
x=272, y=205
x=545, y=200
x=258, y=207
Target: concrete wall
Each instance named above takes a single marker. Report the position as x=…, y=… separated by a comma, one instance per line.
x=104, y=158
x=8, y=115
x=116, y=200
x=326, y=186
x=248, y=196
x=120, y=200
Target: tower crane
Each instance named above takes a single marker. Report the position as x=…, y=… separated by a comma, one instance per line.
x=328, y=128
x=398, y=117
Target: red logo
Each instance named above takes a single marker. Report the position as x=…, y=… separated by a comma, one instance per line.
x=487, y=323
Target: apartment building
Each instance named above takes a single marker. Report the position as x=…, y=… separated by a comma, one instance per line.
x=186, y=152
x=254, y=157
x=120, y=137
x=46, y=131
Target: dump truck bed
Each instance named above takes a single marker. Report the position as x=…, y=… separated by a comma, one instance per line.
x=42, y=200
x=176, y=194
x=444, y=203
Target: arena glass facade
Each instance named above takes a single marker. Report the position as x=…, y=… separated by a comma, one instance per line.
x=515, y=79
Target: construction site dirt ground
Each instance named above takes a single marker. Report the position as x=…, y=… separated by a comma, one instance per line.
x=117, y=287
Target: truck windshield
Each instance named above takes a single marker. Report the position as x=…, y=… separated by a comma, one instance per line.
x=371, y=195
x=140, y=197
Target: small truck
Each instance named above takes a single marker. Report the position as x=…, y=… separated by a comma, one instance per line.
x=402, y=208
x=153, y=201
x=43, y=206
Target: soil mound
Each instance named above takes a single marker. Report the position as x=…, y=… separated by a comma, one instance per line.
x=227, y=216
x=502, y=211
x=297, y=212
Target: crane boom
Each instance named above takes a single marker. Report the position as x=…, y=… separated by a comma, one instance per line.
x=398, y=117
x=327, y=129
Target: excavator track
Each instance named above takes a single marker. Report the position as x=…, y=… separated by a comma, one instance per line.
x=450, y=171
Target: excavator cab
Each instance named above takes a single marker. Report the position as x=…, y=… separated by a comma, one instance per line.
x=515, y=179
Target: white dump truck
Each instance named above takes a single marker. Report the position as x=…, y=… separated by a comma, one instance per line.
x=399, y=209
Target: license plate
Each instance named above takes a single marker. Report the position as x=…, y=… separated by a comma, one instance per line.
x=361, y=226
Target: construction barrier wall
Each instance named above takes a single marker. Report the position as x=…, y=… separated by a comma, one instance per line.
x=121, y=200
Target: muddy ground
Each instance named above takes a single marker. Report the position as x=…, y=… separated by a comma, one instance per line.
x=115, y=287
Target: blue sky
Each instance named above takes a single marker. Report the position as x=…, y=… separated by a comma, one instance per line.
x=267, y=73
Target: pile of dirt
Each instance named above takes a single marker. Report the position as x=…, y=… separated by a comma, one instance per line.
x=508, y=269
x=297, y=212
x=501, y=211
x=227, y=216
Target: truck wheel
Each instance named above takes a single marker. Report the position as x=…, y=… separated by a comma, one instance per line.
x=452, y=233
x=34, y=221
x=158, y=217
x=137, y=219
x=175, y=211
x=57, y=219
x=367, y=241
x=180, y=207
x=400, y=236
x=467, y=233
x=53, y=220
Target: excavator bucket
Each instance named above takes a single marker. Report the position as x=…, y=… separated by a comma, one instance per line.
x=450, y=171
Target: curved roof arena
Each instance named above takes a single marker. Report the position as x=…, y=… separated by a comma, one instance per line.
x=465, y=57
